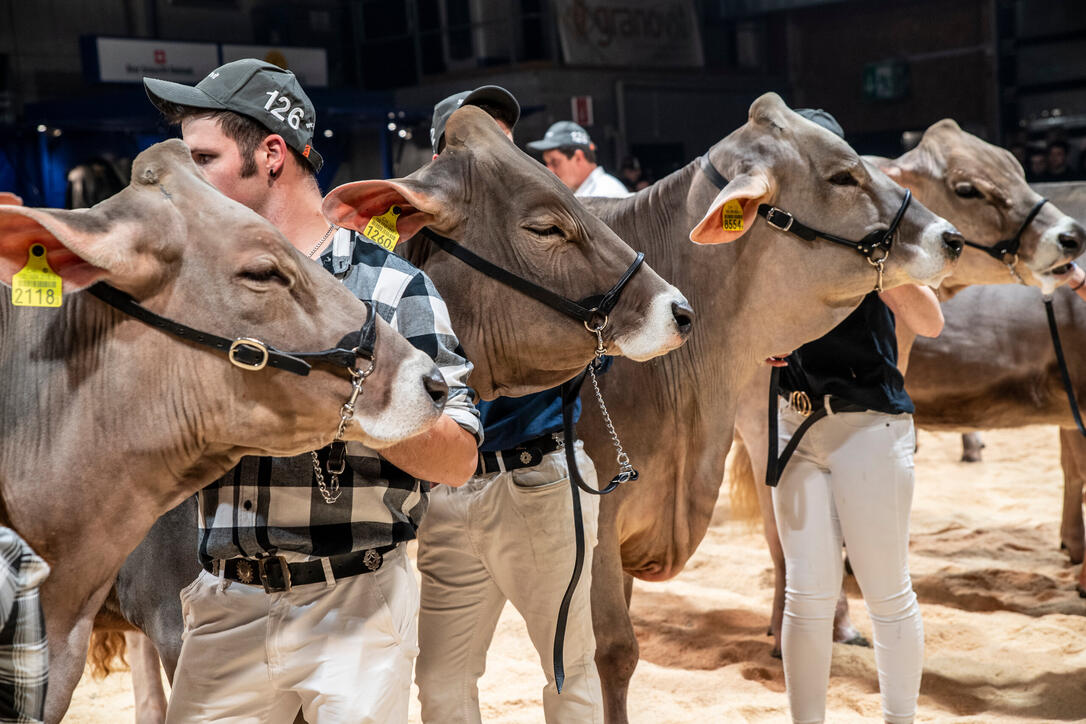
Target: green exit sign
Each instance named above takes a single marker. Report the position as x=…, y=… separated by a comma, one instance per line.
x=886, y=80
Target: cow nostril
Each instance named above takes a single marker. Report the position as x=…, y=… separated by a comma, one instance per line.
x=954, y=241
x=684, y=317
x=436, y=387
x=1070, y=241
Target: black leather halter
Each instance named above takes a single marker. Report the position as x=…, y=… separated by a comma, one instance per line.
x=249, y=353
x=1006, y=250
x=593, y=310
x=878, y=241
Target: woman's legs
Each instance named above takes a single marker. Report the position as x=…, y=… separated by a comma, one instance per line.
x=872, y=484
x=811, y=541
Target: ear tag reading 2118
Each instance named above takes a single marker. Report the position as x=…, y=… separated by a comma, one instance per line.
x=35, y=285
x=382, y=229
x=732, y=216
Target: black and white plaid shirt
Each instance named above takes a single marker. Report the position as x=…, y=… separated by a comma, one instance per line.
x=273, y=505
x=24, y=654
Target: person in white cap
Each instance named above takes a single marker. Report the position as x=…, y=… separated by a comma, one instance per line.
x=569, y=153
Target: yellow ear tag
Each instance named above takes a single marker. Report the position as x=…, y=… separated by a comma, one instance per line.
x=382, y=229
x=732, y=216
x=35, y=285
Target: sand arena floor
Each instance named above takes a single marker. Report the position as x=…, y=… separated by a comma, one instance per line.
x=1005, y=630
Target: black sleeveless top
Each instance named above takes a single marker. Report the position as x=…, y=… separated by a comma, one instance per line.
x=856, y=361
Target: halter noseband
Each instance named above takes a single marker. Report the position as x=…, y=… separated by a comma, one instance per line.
x=875, y=242
x=1006, y=251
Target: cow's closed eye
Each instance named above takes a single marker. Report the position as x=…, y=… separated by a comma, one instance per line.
x=264, y=276
x=551, y=232
x=967, y=191
x=844, y=178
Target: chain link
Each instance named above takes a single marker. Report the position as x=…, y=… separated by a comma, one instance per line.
x=626, y=471
x=331, y=492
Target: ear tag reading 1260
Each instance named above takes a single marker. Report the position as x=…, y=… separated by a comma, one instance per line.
x=732, y=216
x=382, y=229
x=35, y=285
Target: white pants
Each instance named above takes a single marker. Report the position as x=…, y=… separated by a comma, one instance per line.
x=343, y=653
x=850, y=480
x=505, y=536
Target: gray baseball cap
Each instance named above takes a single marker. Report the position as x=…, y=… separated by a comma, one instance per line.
x=492, y=95
x=822, y=118
x=264, y=92
x=561, y=135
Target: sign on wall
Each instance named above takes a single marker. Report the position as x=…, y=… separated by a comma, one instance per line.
x=124, y=60
x=309, y=64
x=886, y=80
x=581, y=110
x=655, y=33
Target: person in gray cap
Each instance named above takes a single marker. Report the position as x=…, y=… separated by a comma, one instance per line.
x=307, y=599
x=851, y=478
x=569, y=153
x=478, y=544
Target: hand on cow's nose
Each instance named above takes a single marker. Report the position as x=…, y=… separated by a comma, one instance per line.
x=684, y=317
x=954, y=241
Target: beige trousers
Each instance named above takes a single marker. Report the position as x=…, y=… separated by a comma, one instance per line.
x=505, y=536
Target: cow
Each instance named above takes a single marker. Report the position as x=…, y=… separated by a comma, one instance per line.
x=766, y=291
x=982, y=190
x=517, y=344
x=109, y=422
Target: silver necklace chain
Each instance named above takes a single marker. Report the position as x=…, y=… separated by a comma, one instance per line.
x=324, y=238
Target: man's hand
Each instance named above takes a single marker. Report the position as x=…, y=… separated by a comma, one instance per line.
x=10, y=199
x=1074, y=277
x=778, y=360
x=446, y=453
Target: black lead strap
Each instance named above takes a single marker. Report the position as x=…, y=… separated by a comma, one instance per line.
x=1054, y=332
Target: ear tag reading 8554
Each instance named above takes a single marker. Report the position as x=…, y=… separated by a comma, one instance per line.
x=732, y=216
x=35, y=285
x=382, y=229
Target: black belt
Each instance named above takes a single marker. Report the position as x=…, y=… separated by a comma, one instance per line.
x=276, y=575
x=802, y=403
x=525, y=455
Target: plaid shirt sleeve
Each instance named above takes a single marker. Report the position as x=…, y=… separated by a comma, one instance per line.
x=422, y=317
x=24, y=654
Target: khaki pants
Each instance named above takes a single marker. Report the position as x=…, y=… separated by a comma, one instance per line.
x=341, y=652
x=505, y=536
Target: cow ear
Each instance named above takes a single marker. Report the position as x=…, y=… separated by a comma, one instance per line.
x=80, y=246
x=734, y=210
x=352, y=205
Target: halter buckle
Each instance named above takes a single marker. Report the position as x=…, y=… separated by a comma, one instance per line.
x=786, y=219
x=247, y=343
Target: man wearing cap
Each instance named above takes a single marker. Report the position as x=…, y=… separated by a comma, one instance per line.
x=338, y=635
x=571, y=156
x=506, y=535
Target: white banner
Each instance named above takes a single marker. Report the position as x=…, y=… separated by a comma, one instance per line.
x=122, y=60
x=645, y=33
x=309, y=64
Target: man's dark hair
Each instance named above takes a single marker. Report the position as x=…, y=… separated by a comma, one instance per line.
x=242, y=130
x=1058, y=144
x=568, y=151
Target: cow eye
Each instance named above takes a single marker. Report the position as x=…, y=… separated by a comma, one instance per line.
x=843, y=178
x=546, y=231
x=264, y=275
x=967, y=191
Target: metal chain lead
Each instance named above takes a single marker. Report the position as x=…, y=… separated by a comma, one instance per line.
x=331, y=492
x=626, y=471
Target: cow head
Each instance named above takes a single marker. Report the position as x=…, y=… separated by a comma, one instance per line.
x=490, y=197
x=982, y=190
x=185, y=251
x=782, y=159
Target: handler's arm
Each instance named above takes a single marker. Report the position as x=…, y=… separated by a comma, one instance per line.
x=446, y=453
x=916, y=307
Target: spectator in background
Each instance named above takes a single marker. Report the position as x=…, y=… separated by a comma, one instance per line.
x=571, y=156
x=632, y=175
x=1037, y=169
x=1056, y=162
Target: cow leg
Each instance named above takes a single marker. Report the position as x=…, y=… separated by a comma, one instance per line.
x=616, y=643
x=971, y=447
x=1073, y=462
x=68, y=625
x=146, y=679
